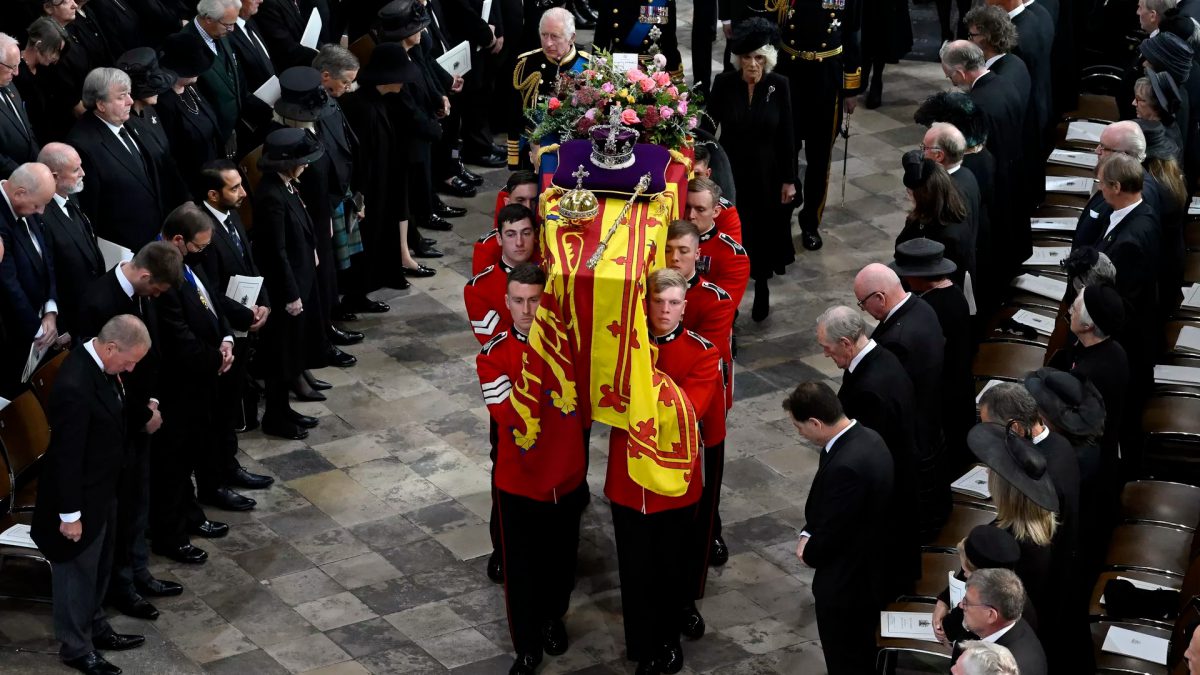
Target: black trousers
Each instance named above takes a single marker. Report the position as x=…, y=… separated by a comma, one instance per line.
x=707, y=524
x=816, y=88
x=79, y=586
x=494, y=520
x=540, y=543
x=704, y=33
x=847, y=631
x=651, y=550
x=130, y=555
x=181, y=446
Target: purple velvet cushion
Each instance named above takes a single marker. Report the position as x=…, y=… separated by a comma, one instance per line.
x=652, y=159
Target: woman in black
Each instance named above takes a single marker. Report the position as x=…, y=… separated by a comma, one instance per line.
x=46, y=43
x=187, y=118
x=938, y=213
x=751, y=108
x=285, y=247
x=63, y=81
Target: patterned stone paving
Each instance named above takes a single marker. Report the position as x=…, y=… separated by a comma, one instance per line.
x=368, y=555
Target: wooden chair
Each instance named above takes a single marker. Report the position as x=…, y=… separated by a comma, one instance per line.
x=1095, y=107
x=1010, y=361
x=43, y=378
x=935, y=565
x=1161, y=503
x=1151, y=548
x=1171, y=424
x=24, y=437
x=362, y=48
x=962, y=520
x=1191, y=234
x=1098, y=610
x=1116, y=663
x=1064, y=170
x=1191, y=267
x=7, y=520
x=1072, y=200
x=891, y=648
x=1002, y=329
x=249, y=169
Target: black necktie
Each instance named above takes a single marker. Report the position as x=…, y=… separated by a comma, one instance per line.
x=233, y=234
x=132, y=147
x=118, y=388
x=12, y=107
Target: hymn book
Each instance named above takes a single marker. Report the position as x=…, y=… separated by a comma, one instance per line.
x=1083, y=131
x=974, y=483
x=907, y=625
x=1138, y=645
x=1081, y=159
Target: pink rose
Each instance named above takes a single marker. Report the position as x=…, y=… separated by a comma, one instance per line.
x=660, y=60
x=693, y=122
x=590, y=73
x=608, y=87
x=665, y=112
x=662, y=79
x=590, y=114
x=682, y=107
x=672, y=90
x=629, y=116
x=553, y=103
x=634, y=76
x=646, y=84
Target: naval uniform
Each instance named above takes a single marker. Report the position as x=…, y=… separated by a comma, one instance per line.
x=819, y=53
x=533, y=78
x=628, y=26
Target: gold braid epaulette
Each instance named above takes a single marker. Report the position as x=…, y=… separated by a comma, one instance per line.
x=779, y=7
x=526, y=87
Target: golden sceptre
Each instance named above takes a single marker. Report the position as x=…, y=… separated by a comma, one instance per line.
x=642, y=184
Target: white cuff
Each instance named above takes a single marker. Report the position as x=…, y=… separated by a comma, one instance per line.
x=70, y=517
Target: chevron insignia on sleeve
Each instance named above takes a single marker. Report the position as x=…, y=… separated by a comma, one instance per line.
x=486, y=325
x=497, y=390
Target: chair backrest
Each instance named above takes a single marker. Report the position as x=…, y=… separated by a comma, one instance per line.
x=8, y=483
x=362, y=49
x=1189, y=618
x=43, y=378
x=249, y=167
x=24, y=431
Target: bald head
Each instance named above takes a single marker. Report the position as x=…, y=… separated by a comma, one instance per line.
x=64, y=161
x=29, y=188
x=878, y=290
x=1125, y=137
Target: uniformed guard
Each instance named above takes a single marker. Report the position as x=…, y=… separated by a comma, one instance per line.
x=723, y=261
x=641, y=27
x=534, y=77
x=484, y=293
x=522, y=188
x=820, y=56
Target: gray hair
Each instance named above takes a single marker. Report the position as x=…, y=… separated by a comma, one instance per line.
x=962, y=54
x=950, y=140
x=1085, y=317
x=769, y=53
x=57, y=156
x=840, y=322
x=987, y=658
x=335, y=60
x=1159, y=6
x=29, y=176
x=1103, y=272
x=126, y=331
x=7, y=41
x=98, y=84
x=215, y=9
x=1001, y=589
x=567, y=19
x=1010, y=401
x=1130, y=139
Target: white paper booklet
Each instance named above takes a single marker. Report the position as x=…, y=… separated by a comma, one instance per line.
x=1054, y=289
x=1191, y=296
x=17, y=535
x=1084, y=131
x=1164, y=374
x=456, y=61
x=1138, y=645
x=907, y=625
x=973, y=483
x=1042, y=324
x=1072, y=185
x=269, y=92
x=958, y=589
x=114, y=254
x=1053, y=224
x=1079, y=158
x=1194, y=207
x=1048, y=256
x=1189, y=339
x=312, y=31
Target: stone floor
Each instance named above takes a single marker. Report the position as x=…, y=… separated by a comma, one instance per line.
x=368, y=554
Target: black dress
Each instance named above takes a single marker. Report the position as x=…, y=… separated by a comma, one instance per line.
x=957, y=237
x=958, y=401
x=757, y=135
x=191, y=126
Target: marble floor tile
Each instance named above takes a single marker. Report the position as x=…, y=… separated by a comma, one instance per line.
x=361, y=570
x=307, y=653
x=459, y=648
x=335, y=611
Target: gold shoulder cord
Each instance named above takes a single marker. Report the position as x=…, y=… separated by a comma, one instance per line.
x=777, y=7
x=526, y=86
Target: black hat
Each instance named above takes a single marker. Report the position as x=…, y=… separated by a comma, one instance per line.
x=921, y=258
x=1166, y=93
x=389, y=64
x=957, y=108
x=1158, y=144
x=146, y=77
x=1168, y=52
x=1069, y=402
x=752, y=34
x=990, y=547
x=301, y=96
x=1080, y=261
x=186, y=55
x=1106, y=307
x=1013, y=457
x=917, y=169
x=288, y=148
x=399, y=19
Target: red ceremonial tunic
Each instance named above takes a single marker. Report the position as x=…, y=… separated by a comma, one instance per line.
x=694, y=364
x=484, y=298
x=724, y=262
x=710, y=312
x=728, y=220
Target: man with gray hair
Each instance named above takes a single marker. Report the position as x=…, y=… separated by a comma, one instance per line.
x=123, y=197
x=535, y=74
x=17, y=142
x=945, y=144
x=992, y=607
x=1150, y=14
x=879, y=394
x=224, y=84
x=984, y=658
x=68, y=233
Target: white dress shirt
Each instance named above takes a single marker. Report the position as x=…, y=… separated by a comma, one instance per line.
x=1119, y=215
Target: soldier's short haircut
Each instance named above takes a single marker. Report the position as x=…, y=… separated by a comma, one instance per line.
x=162, y=260
x=683, y=228
x=962, y=54
x=664, y=279
x=814, y=400
x=841, y=321
x=514, y=213
x=518, y=178
x=706, y=185
x=701, y=152
x=527, y=273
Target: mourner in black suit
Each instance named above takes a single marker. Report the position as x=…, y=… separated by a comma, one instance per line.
x=223, y=84
x=282, y=23
x=878, y=394
x=846, y=519
x=993, y=604
x=254, y=60
x=18, y=144
x=1035, y=38
x=909, y=329
x=69, y=235
x=127, y=289
x=121, y=25
x=73, y=520
x=28, y=303
x=945, y=144
x=123, y=196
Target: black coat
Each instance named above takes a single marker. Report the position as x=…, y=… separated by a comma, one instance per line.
x=1004, y=110
x=959, y=238
x=147, y=127
x=27, y=280
x=284, y=245
x=1035, y=38
x=1025, y=648
x=914, y=335
x=190, y=336
x=223, y=260
x=1106, y=366
x=82, y=466
x=63, y=81
x=122, y=197
x=256, y=66
x=195, y=137
x=757, y=136
x=77, y=260
x=968, y=187
x=121, y=26
x=958, y=382
x=282, y=27
x=18, y=144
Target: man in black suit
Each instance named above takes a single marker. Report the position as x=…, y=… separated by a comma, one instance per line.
x=126, y=289
x=908, y=327
x=992, y=608
x=250, y=47
x=1004, y=110
x=69, y=234
x=17, y=142
x=224, y=84
x=282, y=23
x=76, y=500
x=28, y=304
x=846, y=523
x=123, y=196
x=1035, y=38
x=878, y=393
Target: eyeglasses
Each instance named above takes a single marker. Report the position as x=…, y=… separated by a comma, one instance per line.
x=195, y=248
x=964, y=604
x=13, y=67
x=228, y=26
x=862, y=303
x=924, y=147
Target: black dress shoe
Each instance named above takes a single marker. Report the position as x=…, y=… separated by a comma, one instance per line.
x=671, y=660
x=344, y=337
x=251, y=481
x=490, y=161
x=648, y=667
x=343, y=315
x=227, y=500
x=425, y=251
x=117, y=642
x=446, y=211
x=398, y=282
x=691, y=624
x=762, y=302
x=283, y=429
x=554, y=637
x=92, y=664
x=582, y=21
x=585, y=8
x=185, y=553
x=340, y=359
x=312, y=395
x=304, y=421
x=317, y=383
x=364, y=305
x=811, y=241
x=420, y=271
x=209, y=529
x=495, y=567
x=158, y=588
x=438, y=223
x=456, y=187
x=718, y=553
x=469, y=176
x=526, y=664
x=135, y=606
x=428, y=241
